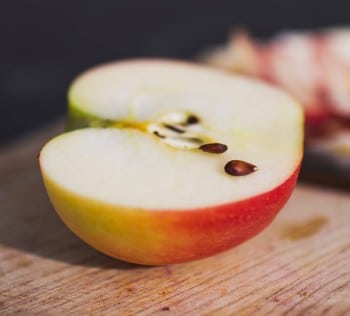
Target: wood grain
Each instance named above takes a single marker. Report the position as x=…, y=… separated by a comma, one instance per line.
x=300, y=265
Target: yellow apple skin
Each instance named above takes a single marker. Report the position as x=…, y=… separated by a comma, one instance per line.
x=158, y=237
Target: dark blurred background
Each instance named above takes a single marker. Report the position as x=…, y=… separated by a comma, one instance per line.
x=45, y=44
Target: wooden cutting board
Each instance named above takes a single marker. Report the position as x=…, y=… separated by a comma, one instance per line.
x=300, y=265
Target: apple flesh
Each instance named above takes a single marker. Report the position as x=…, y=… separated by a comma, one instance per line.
x=159, y=200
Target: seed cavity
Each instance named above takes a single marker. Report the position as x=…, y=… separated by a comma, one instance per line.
x=180, y=130
x=192, y=119
x=213, y=148
x=158, y=134
x=183, y=130
x=174, y=128
x=239, y=168
x=184, y=142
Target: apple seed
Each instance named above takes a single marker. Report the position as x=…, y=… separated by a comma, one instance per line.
x=213, y=148
x=158, y=134
x=192, y=119
x=239, y=168
x=174, y=128
x=182, y=118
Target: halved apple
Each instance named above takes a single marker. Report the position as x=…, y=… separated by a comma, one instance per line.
x=141, y=183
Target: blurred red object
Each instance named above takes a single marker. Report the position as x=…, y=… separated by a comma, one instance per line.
x=314, y=67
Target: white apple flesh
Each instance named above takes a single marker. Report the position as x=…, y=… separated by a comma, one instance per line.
x=144, y=199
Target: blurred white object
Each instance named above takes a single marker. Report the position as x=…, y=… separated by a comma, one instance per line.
x=314, y=67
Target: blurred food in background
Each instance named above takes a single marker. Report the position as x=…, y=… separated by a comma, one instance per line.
x=314, y=67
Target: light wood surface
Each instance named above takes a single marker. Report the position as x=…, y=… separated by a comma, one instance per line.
x=300, y=265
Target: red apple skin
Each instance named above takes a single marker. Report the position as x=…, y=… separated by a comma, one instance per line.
x=162, y=237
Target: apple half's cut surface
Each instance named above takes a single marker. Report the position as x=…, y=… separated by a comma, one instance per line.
x=140, y=183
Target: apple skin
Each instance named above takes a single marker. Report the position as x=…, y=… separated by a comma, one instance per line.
x=159, y=237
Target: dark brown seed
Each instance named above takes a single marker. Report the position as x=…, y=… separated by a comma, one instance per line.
x=192, y=119
x=239, y=168
x=174, y=128
x=158, y=135
x=213, y=148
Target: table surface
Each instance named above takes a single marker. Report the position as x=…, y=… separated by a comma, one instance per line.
x=298, y=266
